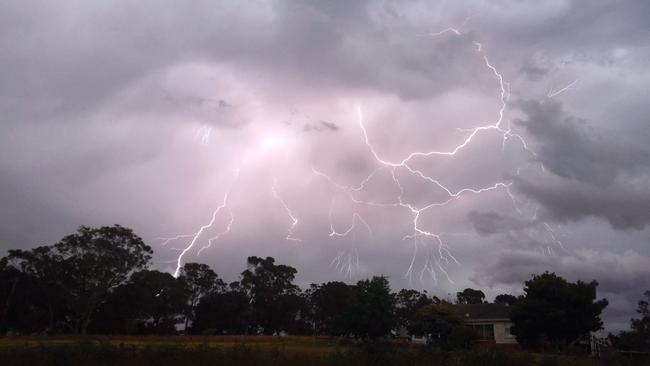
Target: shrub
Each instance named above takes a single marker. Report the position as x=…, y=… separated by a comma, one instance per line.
x=462, y=338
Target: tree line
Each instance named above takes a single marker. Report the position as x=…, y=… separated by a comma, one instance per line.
x=97, y=281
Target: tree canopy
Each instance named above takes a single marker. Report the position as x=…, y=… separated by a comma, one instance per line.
x=331, y=306
x=79, y=272
x=373, y=311
x=97, y=280
x=470, y=296
x=556, y=310
x=638, y=337
x=199, y=281
x=505, y=299
x=274, y=297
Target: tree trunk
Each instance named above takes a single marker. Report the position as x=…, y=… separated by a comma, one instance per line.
x=50, y=323
x=86, y=319
x=188, y=314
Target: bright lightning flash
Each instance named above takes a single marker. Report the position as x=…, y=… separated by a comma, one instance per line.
x=443, y=255
x=439, y=254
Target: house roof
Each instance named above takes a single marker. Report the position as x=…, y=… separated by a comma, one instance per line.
x=482, y=311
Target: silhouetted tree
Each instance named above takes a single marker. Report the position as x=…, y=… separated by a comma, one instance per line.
x=223, y=312
x=470, y=296
x=505, y=299
x=79, y=272
x=435, y=322
x=9, y=278
x=556, y=310
x=161, y=299
x=150, y=302
x=275, y=300
x=638, y=338
x=44, y=267
x=373, y=312
x=642, y=325
x=331, y=306
x=97, y=260
x=408, y=302
x=21, y=301
x=199, y=280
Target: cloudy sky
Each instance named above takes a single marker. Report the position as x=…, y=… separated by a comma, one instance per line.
x=446, y=144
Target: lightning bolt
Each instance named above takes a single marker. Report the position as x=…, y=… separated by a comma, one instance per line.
x=294, y=219
x=195, y=237
x=348, y=261
x=437, y=254
x=443, y=255
x=552, y=93
x=356, y=218
x=166, y=241
x=226, y=230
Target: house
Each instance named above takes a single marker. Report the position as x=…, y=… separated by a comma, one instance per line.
x=490, y=321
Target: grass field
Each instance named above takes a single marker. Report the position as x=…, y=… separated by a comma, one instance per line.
x=258, y=351
x=311, y=343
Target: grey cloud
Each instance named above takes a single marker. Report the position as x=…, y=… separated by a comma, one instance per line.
x=605, y=178
x=571, y=150
x=328, y=126
x=516, y=232
x=489, y=223
x=536, y=66
x=623, y=206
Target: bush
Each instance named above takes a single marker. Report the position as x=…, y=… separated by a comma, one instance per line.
x=462, y=338
x=549, y=361
x=495, y=358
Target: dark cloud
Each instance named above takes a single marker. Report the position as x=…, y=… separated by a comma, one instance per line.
x=489, y=223
x=570, y=149
x=623, y=206
x=598, y=176
x=330, y=125
x=536, y=66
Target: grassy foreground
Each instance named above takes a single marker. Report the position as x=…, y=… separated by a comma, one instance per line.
x=257, y=351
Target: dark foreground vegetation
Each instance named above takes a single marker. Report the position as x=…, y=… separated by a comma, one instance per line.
x=97, y=282
x=281, y=351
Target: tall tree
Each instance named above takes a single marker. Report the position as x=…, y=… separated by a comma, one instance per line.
x=275, y=300
x=638, y=338
x=150, y=302
x=225, y=312
x=470, y=296
x=373, y=313
x=97, y=260
x=199, y=280
x=436, y=323
x=44, y=267
x=505, y=299
x=557, y=310
x=161, y=299
x=408, y=302
x=331, y=303
x=642, y=325
x=21, y=301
